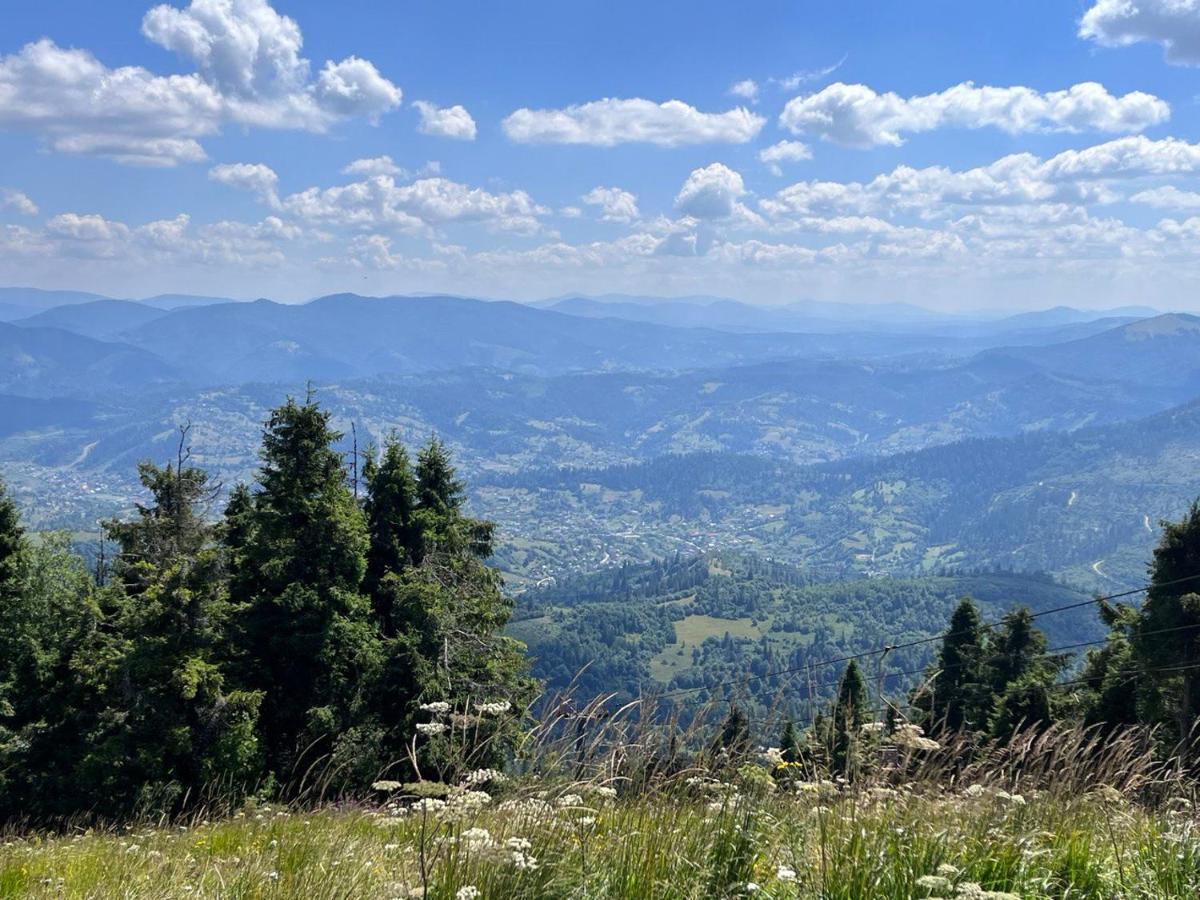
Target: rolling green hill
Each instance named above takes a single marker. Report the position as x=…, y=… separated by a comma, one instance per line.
x=713, y=625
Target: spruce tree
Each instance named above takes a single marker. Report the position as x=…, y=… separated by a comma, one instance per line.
x=176, y=727
x=395, y=535
x=789, y=743
x=958, y=698
x=1166, y=636
x=306, y=637
x=847, y=719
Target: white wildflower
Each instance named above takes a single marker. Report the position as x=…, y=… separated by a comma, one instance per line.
x=387, y=786
x=912, y=736
x=946, y=870
x=569, y=800
x=431, y=728
x=773, y=756
x=476, y=839
x=936, y=885
x=873, y=727
x=608, y=793
x=517, y=844
x=484, y=776
x=496, y=708
x=467, y=892
x=438, y=707
x=785, y=874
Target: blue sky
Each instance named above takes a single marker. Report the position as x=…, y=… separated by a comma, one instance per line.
x=960, y=155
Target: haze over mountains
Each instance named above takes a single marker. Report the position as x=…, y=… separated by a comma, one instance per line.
x=548, y=406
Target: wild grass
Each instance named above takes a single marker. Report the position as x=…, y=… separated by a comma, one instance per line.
x=1060, y=814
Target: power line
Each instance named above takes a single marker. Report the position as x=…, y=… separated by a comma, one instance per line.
x=888, y=648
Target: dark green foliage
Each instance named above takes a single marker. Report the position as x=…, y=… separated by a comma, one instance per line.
x=305, y=633
x=789, y=743
x=849, y=714
x=301, y=628
x=957, y=697
x=734, y=738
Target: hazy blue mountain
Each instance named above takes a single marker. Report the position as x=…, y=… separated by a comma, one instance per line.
x=43, y=362
x=1161, y=351
x=962, y=334
x=345, y=335
x=182, y=301
x=21, y=302
x=724, y=314
x=101, y=319
x=1069, y=315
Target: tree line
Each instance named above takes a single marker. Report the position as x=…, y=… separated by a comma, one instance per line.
x=988, y=682
x=297, y=631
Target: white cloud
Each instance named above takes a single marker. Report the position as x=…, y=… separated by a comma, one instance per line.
x=784, y=151
x=608, y=122
x=854, y=115
x=1168, y=197
x=616, y=205
x=248, y=71
x=385, y=165
x=710, y=193
x=1076, y=176
x=257, y=178
x=747, y=89
x=445, y=121
x=18, y=202
x=375, y=165
x=1173, y=23
x=379, y=202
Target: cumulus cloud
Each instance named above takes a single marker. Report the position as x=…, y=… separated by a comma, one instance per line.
x=18, y=202
x=1168, y=197
x=385, y=165
x=784, y=151
x=1074, y=176
x=608, y=122
x=375, y=165
x=710, y=193
x=257, y=178
x=747, y=89
x=379, y=202
x=854, y=115
x=1175, y=24
x=445, y=121
x=249, y=71
x=615, y=204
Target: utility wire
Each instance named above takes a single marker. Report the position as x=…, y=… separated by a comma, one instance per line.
x=888, y=648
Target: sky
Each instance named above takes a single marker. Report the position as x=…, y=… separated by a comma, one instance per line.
x=963, y=156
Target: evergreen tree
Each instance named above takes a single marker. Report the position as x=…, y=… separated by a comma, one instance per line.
x=173, y=726
x=847, y=719
x=440, y=500
x=395, y=536
x=734, y=737
x=789, y=743
x=958, y=698
x=1166, y=635
x=307, y=638
x=1020, y=675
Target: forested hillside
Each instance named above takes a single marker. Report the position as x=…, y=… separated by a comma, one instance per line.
x=1085, y=504
x=717, y=626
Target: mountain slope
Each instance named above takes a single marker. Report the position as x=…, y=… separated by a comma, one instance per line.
x=1085, y=504
x=1163, y=351
x=100, y=319
x=346, y=335
x=42, y=362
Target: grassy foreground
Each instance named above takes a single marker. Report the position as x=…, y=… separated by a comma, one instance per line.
x=701, y=838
